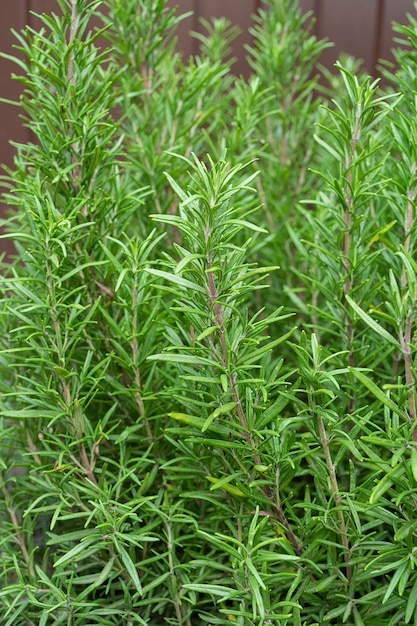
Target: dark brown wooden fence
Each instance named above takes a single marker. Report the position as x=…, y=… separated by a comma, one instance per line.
x=359, y=27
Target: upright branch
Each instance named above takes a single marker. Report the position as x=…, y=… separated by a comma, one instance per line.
x=135, y=352
x=348, y=217
x=405, y=337
x=408, y=224
x=334, y=486
x=72, y=81
x=211, y=219
x=18, y=531
x=73, y=29
x=219, y=322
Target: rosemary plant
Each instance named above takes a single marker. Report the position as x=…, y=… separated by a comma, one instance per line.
x=207, y=390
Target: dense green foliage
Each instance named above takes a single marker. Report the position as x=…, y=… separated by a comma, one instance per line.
x=207, y=366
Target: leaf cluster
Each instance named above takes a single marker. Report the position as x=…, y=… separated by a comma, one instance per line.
x=207, y=346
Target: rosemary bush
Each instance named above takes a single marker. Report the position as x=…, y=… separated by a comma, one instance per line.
x=207, y=391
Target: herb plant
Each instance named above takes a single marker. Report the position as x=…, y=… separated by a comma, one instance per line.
x=207, y=391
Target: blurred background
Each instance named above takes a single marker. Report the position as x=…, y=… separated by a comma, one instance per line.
x=358, y=27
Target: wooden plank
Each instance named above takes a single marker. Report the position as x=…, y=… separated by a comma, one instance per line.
x=351, y=25
x=186, y=44
x=393, y=10
x=239, y=13
x=307, y=5
x=312, y=6
x=12, y=15
x=41, y=6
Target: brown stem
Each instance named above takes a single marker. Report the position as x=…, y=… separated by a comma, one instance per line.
x=219, y=321
x=349, y=200
x=147, y=78
x=406, y=337
x=72, y=80
x=32, y=448
x=66, y=391
x=405, y=341
x=19, y=536
x=347, y=240
x=135, y=352
x=408, y=225
x=72, y=33
x=281, y=517
x=86, y=463
x=334, y=487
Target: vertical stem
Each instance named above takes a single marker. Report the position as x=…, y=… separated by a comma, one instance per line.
x=32, y=448
x=405, y=341
x=334, y=487
x=406, y=337
x=220, y=322
x=408, y=225
x=65, y=388
x=347, y=243
x=177, y=602
x=262, y=196
x=72, y=80
x=72, y=34
x=135, y=351
x=19, y=536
